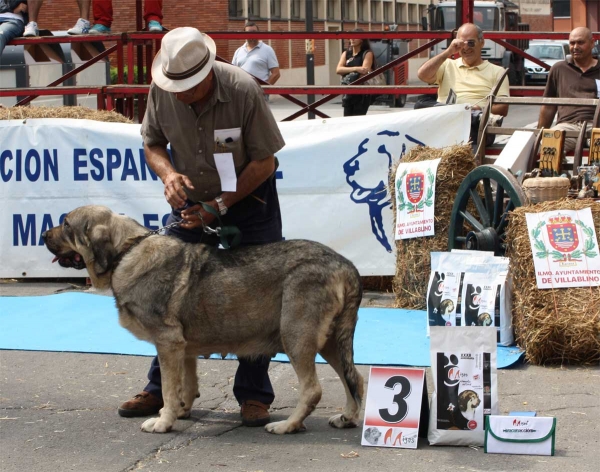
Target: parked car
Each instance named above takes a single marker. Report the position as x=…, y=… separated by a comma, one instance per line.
x=549, y=52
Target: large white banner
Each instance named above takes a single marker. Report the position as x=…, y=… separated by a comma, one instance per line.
x=332, y=181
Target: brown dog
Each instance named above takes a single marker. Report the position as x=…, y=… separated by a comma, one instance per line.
x=297, y=297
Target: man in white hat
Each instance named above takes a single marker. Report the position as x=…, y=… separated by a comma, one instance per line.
x=210, y=111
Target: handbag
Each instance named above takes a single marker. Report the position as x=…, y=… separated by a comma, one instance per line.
x=379, y=79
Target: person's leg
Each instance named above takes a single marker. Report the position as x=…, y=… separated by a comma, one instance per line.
x=153, y=11
x=252, y=381
x=9, y=30
x=103, y=12
x=570, y=143
x=84, y=8
x=362, y=106
x=33, y=10
x=83, y=24
x=425, y=101
x=154, y=385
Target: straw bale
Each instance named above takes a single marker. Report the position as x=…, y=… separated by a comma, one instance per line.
x=559, y=325
x=79, y=113
x=413, y=259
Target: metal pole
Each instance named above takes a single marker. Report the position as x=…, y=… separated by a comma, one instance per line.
x=459, y=13
x=310, y=54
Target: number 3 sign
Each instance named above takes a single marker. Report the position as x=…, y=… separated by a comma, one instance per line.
x=393, y=408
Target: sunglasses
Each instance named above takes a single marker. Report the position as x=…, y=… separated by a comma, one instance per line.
x=470, y=43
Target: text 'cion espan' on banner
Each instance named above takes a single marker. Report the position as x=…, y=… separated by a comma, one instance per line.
x=415, y=197
x=565, y=248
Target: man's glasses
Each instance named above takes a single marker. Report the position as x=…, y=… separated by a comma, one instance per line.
x=470, y=43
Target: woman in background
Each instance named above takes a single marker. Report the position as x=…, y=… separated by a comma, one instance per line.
x=356, y=61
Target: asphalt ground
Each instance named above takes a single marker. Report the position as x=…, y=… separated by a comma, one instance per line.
x=58, y=412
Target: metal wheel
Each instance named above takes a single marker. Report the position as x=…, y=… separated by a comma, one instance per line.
x=479, y=214
x=399, y=101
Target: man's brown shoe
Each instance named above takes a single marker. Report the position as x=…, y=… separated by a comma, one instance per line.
x=255, y=413
x=143, y=404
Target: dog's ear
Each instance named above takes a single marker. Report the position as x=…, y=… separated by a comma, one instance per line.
x=103, y=249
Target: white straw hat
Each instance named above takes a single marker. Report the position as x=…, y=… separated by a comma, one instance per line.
x=184, y=60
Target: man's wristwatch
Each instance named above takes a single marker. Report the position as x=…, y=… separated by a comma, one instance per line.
x=222, y=207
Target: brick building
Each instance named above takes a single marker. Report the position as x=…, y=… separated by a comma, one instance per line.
x=274, y=15
x=288, y=15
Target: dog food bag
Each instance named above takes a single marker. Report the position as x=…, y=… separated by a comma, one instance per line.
x=470, y=288
x=486, y=299
x=463, y=366
x=444, y=289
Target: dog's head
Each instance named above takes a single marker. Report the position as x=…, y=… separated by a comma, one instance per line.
x=91, y=237
x=468, y=400
x=372, y=435
x=485, y=319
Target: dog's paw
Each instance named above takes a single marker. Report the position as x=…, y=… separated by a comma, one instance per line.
x=154, y=425
x=284, y=427
x=340, y=421
x=183, y=414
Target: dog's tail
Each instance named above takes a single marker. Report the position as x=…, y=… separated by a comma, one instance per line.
x=345, y=337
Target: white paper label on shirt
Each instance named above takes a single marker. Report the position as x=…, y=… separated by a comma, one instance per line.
x=226, y=170
x=598, y=87
x=227, y=135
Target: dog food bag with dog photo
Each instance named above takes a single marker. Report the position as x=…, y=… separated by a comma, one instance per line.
x=486, y=299
x=444, y=289
x=463, y=366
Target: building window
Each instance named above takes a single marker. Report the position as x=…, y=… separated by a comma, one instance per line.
x=361, y=7
x=387, y=12
x=400, y=12
x=295, y=9
x=412, y=13
x=316, y=9
x=347, y=10
x=253, y=8
x=561, y=8
x=275, y=8
x=236, y=8
x=331, y=9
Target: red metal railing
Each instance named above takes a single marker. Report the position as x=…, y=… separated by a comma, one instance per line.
x=121, y=97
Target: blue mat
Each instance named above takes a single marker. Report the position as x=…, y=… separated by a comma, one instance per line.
x=82, y=322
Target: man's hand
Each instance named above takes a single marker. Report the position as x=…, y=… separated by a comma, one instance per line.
x=428, y=71
x=455, y=46
x=194, y=215
x=174, y=192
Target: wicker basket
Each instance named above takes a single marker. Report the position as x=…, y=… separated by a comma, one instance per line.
x=544, y=189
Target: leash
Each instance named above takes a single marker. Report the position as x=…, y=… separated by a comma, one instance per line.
x=230, y=236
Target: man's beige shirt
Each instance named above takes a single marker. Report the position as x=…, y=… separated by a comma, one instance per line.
x=237, y=102
x=471, y=84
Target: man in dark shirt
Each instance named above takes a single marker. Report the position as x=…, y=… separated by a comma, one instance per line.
x=208, y=111
x=578, y=77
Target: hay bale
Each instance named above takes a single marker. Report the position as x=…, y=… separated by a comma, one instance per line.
x=413, y=259
x=79, y=113
x=553, y=325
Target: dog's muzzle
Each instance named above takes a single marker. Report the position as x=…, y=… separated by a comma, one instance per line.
x=71, y=260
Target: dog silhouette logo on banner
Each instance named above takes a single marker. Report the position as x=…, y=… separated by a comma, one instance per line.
x=367, y=190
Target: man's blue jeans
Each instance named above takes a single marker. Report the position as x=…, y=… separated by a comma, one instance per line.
x=10, y=29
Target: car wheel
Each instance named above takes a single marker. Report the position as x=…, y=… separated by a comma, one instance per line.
x=399, y=101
